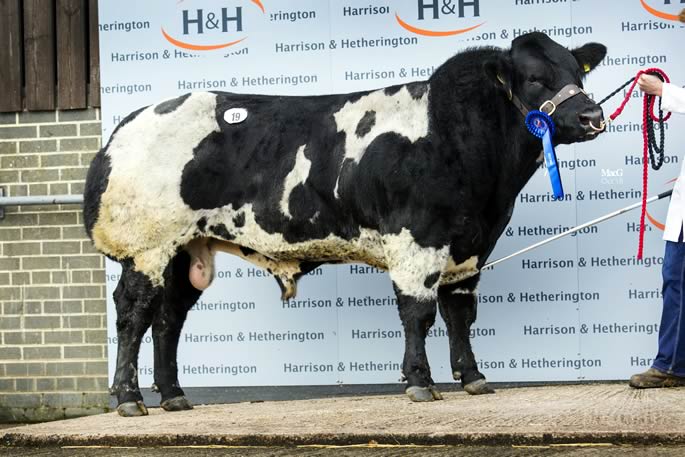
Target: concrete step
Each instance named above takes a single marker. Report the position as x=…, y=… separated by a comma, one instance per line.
x=592, y=413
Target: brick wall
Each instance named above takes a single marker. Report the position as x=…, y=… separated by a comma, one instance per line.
x=53, y=358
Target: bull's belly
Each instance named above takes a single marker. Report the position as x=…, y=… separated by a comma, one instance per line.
x=367, y=248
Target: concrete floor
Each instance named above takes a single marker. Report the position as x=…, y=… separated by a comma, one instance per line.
x=393, y=451
x=608, y=416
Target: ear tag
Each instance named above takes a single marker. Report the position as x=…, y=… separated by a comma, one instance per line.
x=235, y=115
x=587, y=68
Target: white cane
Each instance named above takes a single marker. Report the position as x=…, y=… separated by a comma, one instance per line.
x=577, y=228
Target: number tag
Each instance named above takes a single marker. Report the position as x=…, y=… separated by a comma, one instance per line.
x=235, y=115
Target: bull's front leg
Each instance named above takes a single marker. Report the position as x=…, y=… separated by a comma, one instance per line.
x=458, y=306
x=415, y=272
x=418, y=315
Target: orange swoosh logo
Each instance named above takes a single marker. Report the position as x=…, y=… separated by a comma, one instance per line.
x=426, y=32
x=657, y=13
x=654, y=222
x=198, y=47
x=259, y=4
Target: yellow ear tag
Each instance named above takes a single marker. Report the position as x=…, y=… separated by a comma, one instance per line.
x=587, y=68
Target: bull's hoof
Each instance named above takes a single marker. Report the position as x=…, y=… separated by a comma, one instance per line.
x=479, y=387
x=132, y=409
x=176, y=404
x=420, y=394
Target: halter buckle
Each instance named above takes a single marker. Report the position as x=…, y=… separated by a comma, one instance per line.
x=542, y=107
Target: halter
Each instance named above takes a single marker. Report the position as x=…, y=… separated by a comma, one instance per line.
x=539, y=122
x=548, y=106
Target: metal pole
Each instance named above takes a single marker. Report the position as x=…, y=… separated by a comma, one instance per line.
x=41, y=200
x=577, y=228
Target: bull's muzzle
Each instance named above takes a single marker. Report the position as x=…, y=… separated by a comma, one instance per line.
x=592, y=120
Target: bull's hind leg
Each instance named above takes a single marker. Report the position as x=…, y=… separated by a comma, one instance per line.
x=178, y=297
x=458, y=306
x=135, y=298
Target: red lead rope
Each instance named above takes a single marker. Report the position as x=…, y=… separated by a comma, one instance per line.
x=647, y=110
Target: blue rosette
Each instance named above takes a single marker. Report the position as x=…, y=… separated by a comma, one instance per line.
x=542, y=126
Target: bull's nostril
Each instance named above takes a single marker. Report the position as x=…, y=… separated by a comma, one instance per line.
x=591, y=117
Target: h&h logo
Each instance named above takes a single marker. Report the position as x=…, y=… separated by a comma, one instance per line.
x=434, y=10
x=201, y=22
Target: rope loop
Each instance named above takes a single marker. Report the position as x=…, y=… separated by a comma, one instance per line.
x=652, y=153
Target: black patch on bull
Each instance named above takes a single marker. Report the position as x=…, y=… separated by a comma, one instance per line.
x=221, y=231
x=171, y=105
x=97, y=178
x=392, y=90
x=366, y=123
x=247, y=163
x=431, y=279
x=239, y=220
x=96, y=184
x=417, y=89
x=202, y=224
x=247, y=251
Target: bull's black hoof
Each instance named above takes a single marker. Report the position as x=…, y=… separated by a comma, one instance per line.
x=132, y=409
x=176, y=404
x=479, y=387
x=421, y=394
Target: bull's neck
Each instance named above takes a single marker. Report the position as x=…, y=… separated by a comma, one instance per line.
x=524, y=148
x=482, y=126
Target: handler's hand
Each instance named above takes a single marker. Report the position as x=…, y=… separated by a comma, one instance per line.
x=650, y=84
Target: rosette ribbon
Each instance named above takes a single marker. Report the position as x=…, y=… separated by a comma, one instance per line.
x=541, y=125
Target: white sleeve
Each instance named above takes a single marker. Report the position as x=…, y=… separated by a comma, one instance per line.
x=673, y=98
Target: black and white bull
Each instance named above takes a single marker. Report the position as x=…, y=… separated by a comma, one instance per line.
x=418, y=179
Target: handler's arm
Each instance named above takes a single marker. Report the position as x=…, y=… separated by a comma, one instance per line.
x=673, y=98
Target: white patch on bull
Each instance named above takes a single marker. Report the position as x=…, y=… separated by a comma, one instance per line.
x=399, y=113
x=455, y=273
x=142, y=214
x=409, y=264
x=298, y=175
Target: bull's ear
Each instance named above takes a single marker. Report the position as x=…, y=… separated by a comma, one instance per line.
x=589, y=56
x=499, y=72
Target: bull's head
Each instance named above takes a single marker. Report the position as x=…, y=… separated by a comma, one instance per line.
x=538, y=73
